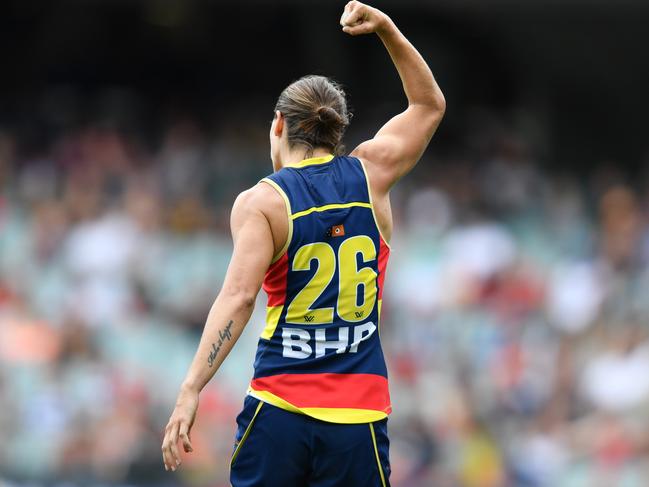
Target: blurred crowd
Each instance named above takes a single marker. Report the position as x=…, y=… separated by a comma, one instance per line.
x=515, y=316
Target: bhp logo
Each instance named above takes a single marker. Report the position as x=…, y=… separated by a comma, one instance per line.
x=299, y=343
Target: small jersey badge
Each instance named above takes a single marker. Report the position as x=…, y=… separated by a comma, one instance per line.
x=336, y=231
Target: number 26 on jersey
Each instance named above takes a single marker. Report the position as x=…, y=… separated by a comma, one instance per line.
x=356, y=287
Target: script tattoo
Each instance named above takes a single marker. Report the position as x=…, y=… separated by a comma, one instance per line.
x=224, y=335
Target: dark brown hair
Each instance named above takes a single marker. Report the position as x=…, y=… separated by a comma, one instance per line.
x=315, y=110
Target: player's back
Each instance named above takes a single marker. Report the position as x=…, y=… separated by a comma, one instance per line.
x=320, y=352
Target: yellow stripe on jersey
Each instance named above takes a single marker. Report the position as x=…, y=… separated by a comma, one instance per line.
x=345, y=415
x=272, y=318
x=288, y=212
x=331, y=415
x=369, y=193
x=334, y=206
x=313, y=161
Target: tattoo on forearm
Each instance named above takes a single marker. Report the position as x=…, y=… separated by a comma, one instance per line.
x=224, y=334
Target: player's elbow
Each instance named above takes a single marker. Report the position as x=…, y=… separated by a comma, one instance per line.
x=246, y=300
x=436, y=104
x=432, y=107
x=440, y=104
x=242, y=297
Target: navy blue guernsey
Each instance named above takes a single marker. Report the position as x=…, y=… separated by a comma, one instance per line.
x=320, y=352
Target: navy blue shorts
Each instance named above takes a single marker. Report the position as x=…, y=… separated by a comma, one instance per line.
x=277, y=448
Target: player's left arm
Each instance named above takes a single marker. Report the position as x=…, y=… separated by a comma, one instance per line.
x=252, y=255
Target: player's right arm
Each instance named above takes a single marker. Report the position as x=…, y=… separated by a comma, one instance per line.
x=398, y=145
x=259, y=229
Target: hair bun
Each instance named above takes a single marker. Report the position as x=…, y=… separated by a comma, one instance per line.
x=328, y=115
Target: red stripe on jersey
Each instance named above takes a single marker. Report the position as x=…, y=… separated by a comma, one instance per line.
x=275, y=281
x=384, y=253
x=355, y=391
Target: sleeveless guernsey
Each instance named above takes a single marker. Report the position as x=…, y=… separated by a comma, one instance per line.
x=320, y=352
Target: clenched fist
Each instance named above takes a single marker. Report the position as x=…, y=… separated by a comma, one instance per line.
x=358, y=18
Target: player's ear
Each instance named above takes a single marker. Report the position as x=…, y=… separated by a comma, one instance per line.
x=279, y=123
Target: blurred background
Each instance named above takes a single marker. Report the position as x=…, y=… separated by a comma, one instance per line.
x=516, y=308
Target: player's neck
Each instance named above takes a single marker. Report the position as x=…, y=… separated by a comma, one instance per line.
x=297, y=155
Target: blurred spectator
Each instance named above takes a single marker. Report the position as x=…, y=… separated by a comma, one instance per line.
x=513, y=319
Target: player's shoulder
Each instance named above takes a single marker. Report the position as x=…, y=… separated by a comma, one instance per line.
x=262, y=198
x=377, y=157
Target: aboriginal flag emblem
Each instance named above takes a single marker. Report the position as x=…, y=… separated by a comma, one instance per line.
x=336, y=231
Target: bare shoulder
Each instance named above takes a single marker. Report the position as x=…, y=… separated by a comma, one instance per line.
x=377, y=151
x=264, y=204
x=261, y=198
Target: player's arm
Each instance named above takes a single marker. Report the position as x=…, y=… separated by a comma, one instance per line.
x=253, y=252
x=399, y=144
